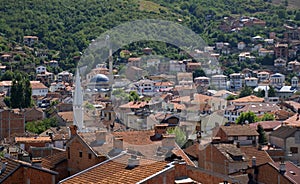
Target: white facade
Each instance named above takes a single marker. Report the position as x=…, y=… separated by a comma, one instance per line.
x=277, y=80
x=236, y=81
x=263, y=76
x=251, y=81
x=39, y=91
x=145, y=86
x=219, y=81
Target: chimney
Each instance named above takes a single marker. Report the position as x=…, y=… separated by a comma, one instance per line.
x=180, y=168
x=100, y=137
x=118, y=143
x=253, y=161
x=160, y=130
x=133, y=161
x=168, y=141
x=282, y=167
x=73, y=129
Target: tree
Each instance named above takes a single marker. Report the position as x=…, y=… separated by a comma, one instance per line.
x=180, y=137
x=198, y=73
x=267, y=117
x=271, y=91
x=231, y=97
x=262, y=138
x=40, y=126
x=21, y=92
x=250, y=117
x=246, y=91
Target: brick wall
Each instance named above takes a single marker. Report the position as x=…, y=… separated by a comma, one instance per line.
x=264, y=173
x=11, y=123
x=26, y=174
x=77, y=162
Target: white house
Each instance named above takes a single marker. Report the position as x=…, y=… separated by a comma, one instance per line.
x=40, y=69
x=277, y=80
x=251, y=81
x=38, y=88
x=219, y=81
x=263, y=76
x=236, y=81
x=145, y=86
x=279, y=62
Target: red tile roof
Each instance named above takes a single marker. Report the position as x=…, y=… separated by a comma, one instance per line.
x=116, y=171
x=267, y=125
x=248, y=99
x=260, y=155
x=293, y=121
x=134, y=105
x=50, y=161
x=32, y=139
x=239, y=130
x=292, y=171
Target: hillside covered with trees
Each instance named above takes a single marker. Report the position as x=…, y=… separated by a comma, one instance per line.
x=65, y=28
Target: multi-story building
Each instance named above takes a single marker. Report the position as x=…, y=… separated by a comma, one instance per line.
x=263, y=76
x=277, y=80
x=251, y=81
x=236, y=81
x=219, y=81
x=281, y=51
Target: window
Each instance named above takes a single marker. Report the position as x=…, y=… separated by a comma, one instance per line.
x=235, y=138
x=293, y=150
x=90, y=156
x=80, y=153
x=250, y=138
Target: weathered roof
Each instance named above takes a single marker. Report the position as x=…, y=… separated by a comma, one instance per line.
x=116, y=170
x=247, y=99
x=260, y=155
x=32, y=139
x=239, y=130
x=283, y=132
x=51, y=161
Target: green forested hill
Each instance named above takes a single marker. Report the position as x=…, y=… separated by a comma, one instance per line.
x=68, y=26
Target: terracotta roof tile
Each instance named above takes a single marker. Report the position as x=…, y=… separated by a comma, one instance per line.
x=267, y=125
x=50, y=161
x=248, y=99
x=293, y=121
x=11, y=166
x=32, y=139
x=239, y=130
x=37, y=85
x=116, y=171
x=134, y=105
x=260, y=155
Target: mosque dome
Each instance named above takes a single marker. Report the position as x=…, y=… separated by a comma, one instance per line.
x=99, y=78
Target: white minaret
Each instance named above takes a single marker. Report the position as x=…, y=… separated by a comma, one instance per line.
x=266, y=94
x=78, y=104
x=110, y=62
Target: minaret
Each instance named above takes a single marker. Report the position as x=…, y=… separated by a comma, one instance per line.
x=110, y=64
x=78, y=104
x=266, y=94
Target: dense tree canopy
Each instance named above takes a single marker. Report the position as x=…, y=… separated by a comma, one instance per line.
x=20, y=94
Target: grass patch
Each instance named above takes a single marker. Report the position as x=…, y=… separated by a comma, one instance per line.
x=151, y=7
